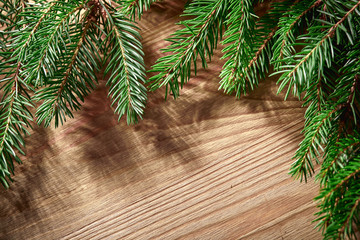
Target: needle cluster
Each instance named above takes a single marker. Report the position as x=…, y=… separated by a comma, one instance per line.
x=52, y=52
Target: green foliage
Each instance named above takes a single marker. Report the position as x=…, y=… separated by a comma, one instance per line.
x=15, y=115
x=314, y=47
x=198, y=37
x=240, y=47
x=339, y=197
x=126, y=64
x=67, y=65
x=134, y=7
x=52, y=52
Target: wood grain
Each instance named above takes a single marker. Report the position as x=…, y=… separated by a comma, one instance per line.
x=206, y=166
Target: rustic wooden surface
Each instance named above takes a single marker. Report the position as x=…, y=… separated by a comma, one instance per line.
x=206, y=166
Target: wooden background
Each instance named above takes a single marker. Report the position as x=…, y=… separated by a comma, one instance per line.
x=206, y=166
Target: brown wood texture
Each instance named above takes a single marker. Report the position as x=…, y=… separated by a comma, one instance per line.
x=204, y=166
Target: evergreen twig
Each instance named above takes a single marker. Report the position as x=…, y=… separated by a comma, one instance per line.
x=56, y=49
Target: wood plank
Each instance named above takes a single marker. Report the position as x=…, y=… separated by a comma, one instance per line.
x=206, y=166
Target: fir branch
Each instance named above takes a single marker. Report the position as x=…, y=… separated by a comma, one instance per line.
x=261, y=49
x=346, y=223
x=13, y=119
x=72, y=62
x=316, y=133
x=344, y=147
x=135, y=7
x=318, y=88
x=338, y=202
x=347, y=91
x=332, y=30
x=20, y=48
x=285, y=34
x=296, y=20
x=198, y=37
x=14, y=113
x=127, y=65
x=50, y=51
x=342, y=183
x=72, y=79
x=10, y=13
x=249, y=49
x=341, y=148
x=38, y=23
x=317, y=94
x=321, y=52
x=240, y=35
x=61, y=45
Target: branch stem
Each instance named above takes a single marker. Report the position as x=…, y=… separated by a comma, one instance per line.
x=329, y=34
x=72, y=62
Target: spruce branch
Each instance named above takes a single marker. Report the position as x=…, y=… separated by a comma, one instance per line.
x=127, y=66
x=55, y=45
x=57, y=48
x=38, y=24
x=135, y=7
x=261, y=49
x=199, y=36
x=249, y=49
x=76, y=73
x=286, y=31
x=319, y=129
x=15, y=115
x=318, y=92
x=315, y=56
x=240, y=37
x=348, y=220
x=51, y=51
x=10, y=14
x=339, y=202
x=343, y=182
x=336, y=156
x=316, y=133
x=347, y=89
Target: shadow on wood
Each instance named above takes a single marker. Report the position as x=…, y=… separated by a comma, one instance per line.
x=204, y=166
